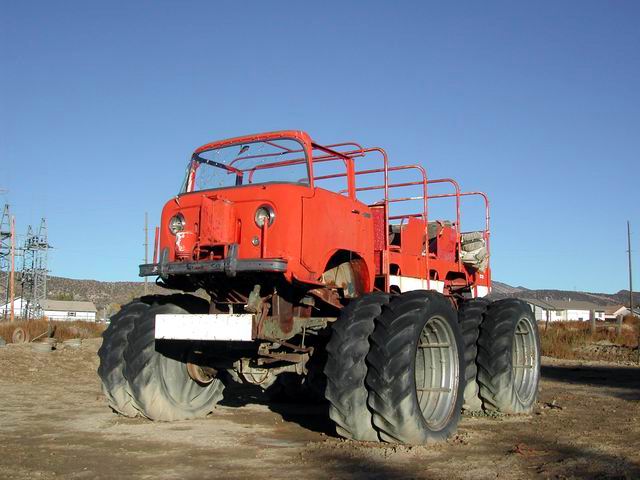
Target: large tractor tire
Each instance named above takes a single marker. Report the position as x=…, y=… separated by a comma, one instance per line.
x=416, y=369
x=156, y=371
x=110, y=370
x=345, y=369
x=470, y=315
x=509, y=357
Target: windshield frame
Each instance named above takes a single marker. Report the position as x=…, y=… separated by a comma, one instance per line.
x=197, y=160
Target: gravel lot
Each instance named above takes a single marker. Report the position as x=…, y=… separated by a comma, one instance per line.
x=54, y=423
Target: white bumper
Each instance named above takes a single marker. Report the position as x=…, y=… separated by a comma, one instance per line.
x=220, y=327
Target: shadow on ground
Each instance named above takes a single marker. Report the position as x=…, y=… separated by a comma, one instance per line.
x=552, y=459
x=309, y=413
x=626, y=380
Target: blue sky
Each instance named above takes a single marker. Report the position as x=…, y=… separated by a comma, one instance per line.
x=535, y=103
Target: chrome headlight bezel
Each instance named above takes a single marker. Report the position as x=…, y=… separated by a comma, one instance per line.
x=263, y=212
x=176, y=224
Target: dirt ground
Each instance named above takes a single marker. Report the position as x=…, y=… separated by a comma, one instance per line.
x=54, y=423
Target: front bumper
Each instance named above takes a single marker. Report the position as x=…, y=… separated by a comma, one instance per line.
x=228, y=266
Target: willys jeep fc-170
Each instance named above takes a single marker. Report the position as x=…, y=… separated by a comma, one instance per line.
x=324, y=274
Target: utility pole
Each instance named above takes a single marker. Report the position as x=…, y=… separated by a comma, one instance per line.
x=12, y=276
x=5, y=257
x=630, y=275
x=146, y=248
x=631, y=283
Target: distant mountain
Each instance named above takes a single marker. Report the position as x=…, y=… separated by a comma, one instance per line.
x=102, y=294
x=113, y=294
x=502, y=290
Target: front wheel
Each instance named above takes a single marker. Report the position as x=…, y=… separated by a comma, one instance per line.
x=416, y=369
x=509, y=357
x=156, y=370
x=111, y=368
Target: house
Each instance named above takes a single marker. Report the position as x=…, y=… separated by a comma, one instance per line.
x=18, y=307
x=56, y=310
x=612, y=312
x=540, y=308
x=69, y=310
x=564, y=310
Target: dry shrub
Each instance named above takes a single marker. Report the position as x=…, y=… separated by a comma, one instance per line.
x=560, y=340
x=631, y=320
x=61, y=330
x=574, y=340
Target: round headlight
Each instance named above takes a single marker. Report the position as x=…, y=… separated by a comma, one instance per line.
x=265, y=215
x=176, y=224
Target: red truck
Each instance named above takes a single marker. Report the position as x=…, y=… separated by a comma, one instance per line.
x=319, y=266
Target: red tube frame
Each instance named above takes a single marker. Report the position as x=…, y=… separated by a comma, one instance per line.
x=332, y=153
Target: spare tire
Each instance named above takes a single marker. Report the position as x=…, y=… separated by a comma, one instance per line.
x=20, y=335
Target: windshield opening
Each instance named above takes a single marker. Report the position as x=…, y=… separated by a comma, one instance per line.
x=282, y=160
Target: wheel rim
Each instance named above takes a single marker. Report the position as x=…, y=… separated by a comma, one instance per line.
x=437, y=373
x=181, y=388
x=19, y=335
x=525, y=360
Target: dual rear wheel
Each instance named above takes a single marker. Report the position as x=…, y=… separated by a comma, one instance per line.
x=400, y=369
x=508, y=357
x=394, y=368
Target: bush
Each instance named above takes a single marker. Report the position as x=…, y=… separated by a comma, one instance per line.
x=573, y=340
x=61, y=330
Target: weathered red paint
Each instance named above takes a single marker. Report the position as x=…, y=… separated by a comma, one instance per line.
x=313, y=224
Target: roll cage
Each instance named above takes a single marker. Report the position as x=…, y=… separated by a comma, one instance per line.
x=347, y=153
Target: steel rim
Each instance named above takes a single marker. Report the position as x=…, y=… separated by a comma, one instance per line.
x=181, y=389
x=437, y=373
x=525, y=360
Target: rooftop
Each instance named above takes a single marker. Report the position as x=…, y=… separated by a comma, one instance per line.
x=68, y=306
x=564, y=304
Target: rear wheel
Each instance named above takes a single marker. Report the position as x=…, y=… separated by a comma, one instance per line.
x=157, y=371
x=416, y=369
x=345, y=369
x=509, y=357
x=470, y=315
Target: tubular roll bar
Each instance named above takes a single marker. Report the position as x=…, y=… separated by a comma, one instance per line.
x=487, y=231
x=347, y=152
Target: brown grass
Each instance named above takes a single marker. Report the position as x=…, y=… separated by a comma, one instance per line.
x=570, y=340
x=574, y=340
x=61, y=330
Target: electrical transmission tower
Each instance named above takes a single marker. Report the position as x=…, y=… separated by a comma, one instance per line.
x=5, y=258
x=34, y=271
